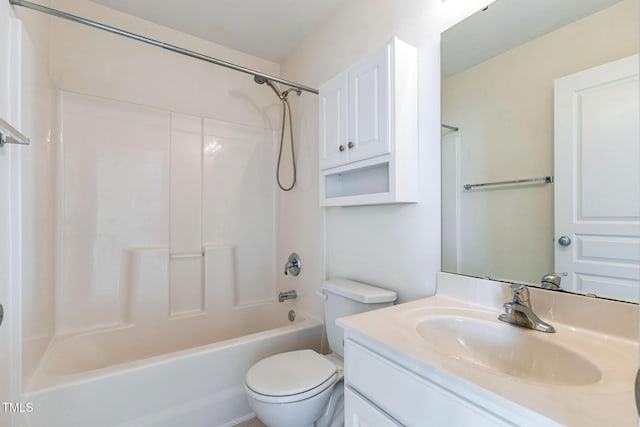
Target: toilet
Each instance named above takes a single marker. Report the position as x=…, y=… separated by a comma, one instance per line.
x=304, y=388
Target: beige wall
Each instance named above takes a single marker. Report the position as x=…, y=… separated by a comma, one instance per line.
x=397, y=247
x=504, y=108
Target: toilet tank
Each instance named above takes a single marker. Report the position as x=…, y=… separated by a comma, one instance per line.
x=345, y=297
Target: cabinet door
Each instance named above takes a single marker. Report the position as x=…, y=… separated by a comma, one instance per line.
x=369, y=107
x=358, y=412
x=333, y=122
x=415, y=401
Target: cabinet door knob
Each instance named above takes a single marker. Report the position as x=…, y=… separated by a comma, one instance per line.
x=350, y=144
x=341, y=148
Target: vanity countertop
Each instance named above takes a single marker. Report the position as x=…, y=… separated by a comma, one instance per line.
x=608, y=400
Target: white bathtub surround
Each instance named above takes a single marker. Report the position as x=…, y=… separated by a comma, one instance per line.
x=167, y=284
x=239, y=204
x=157, y=204
x=600, y=334
x=27, y=268
x=113, y=194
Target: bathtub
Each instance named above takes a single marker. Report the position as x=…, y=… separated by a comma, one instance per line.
x=186, y=372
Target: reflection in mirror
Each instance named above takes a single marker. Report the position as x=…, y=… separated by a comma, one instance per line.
x=528, y=84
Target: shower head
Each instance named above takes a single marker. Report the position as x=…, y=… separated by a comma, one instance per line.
x=282, y=95
x=262, y=80
x=259, y=79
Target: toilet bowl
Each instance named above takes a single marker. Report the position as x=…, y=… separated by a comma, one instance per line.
x=294, y=389
x=304, y=388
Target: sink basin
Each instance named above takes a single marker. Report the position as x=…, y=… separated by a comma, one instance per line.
x=507, y=349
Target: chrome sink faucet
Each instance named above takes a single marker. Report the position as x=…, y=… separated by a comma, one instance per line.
x=519, y=312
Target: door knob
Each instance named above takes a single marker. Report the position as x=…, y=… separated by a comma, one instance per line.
x=341, y=148
x=1, y=313
x=350, y=144
x=564, y=241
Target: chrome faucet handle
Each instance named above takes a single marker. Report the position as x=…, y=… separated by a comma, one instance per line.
x=520, y=313
x=293, y=265
x=520, y=294
x=552, y=280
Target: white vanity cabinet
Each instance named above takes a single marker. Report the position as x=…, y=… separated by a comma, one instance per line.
x=359, y=412
x=380, y=392
x=368, y=118
x=404, y=365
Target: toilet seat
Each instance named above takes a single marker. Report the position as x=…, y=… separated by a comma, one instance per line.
x=290, y=377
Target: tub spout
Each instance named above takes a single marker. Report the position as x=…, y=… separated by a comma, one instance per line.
x=282, y=296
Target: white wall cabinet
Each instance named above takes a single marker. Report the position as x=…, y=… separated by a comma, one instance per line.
x=333, y=122
x=368, y=119
x=414, y=400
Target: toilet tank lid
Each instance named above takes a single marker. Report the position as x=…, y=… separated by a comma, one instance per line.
x=359, y=291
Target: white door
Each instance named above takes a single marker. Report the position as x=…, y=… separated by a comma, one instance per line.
x=369, y=107
x=597, y=185
x=333, y=122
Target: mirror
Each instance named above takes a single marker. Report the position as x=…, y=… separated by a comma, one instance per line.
x=526, y=84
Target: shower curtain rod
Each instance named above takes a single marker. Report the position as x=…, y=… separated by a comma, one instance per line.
x=172, y=48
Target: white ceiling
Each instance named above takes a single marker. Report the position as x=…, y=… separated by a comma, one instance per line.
x=268, y=29
x=507, y=24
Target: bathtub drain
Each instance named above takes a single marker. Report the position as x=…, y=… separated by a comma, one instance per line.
x=292, y=315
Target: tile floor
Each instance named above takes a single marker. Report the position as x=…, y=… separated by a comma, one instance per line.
x=253, y=422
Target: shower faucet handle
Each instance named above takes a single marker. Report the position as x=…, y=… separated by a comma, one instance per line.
x=293, y=265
